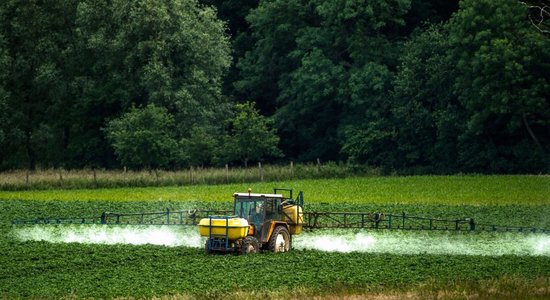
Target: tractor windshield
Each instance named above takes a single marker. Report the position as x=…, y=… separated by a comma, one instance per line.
x=253, y=210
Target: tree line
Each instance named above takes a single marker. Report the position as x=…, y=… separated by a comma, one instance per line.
x=399, y=84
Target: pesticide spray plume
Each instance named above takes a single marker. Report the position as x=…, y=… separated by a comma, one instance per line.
x=344, y=241
x=170, y=236
x=419, y=242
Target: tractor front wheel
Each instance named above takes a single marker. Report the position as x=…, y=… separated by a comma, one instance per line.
x=250, y=245
x=280, y=240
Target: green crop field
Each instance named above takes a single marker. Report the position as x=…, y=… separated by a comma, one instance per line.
x=475, y=190
x=71, y=261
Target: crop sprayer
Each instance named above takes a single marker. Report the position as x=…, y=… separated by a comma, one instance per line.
x=269, y=221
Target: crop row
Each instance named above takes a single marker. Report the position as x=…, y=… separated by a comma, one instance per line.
x=448, y=190
x=40, y=269
x=53, y=270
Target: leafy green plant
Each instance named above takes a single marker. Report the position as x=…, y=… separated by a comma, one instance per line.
x=36, y=269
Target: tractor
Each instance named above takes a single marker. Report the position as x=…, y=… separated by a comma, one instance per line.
x=259, y=222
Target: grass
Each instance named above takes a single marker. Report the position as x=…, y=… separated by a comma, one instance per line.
x=90, y=178
x=448, y=190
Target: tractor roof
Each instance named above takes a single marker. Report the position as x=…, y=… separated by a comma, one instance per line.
x=253, y=195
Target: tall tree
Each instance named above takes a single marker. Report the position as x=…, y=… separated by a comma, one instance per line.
x=37, y=35
x=275, y=26
x=172, y=53
x=314, y=60
x=251, y=137
x=503, y=66
x=144, y=138
x=202, y=147
x=3, y=99
x=234, y=12
x=73, y=65
x=426, y=112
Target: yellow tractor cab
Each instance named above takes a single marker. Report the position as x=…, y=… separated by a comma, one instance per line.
x=259, y=222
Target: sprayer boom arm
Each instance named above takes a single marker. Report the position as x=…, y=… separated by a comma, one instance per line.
x=312, y=220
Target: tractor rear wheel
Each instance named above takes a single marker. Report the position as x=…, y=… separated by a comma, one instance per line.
x=250, y=245
x=280, y=240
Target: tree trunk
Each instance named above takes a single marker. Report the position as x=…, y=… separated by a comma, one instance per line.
x=529, y=130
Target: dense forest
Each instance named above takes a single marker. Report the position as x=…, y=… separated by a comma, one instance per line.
x=434, y=86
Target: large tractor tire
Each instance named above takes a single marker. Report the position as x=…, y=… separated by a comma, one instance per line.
x=280, y=240
x=250, y=245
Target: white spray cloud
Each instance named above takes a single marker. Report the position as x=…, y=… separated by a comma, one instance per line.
x=541, y=245
x=394, y=242
x=100, y=234
x=335, y=243
x=413, y=242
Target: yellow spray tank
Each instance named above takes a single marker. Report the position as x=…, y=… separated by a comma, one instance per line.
x=237, y=228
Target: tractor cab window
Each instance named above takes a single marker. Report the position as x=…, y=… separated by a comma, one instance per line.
x=272, y=208
x=250, y=209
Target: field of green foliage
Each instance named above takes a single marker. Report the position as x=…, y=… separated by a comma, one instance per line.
x=31, y=268
x=456, y=190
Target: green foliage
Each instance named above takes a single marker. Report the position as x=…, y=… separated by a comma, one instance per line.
x=143, y=137
x=74, y=64
x=250, y=137
x=37, y=269
x=502, y=64
x=426, y=111
x=469, y=95
x=36, y=40
x=274, y=27
x=391, y=192
x=323, y=56
x=3, y=120
x=234, y=12
x=171, y=53
x=202, y=147
x=3, y=98
x=398, y=85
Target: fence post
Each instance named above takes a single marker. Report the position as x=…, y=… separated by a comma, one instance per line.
x=261, y=171
x=27, y=177
x=95, y=177
x=226, y=173
x=403, y=220
x=318, y=164
x=291, y=169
